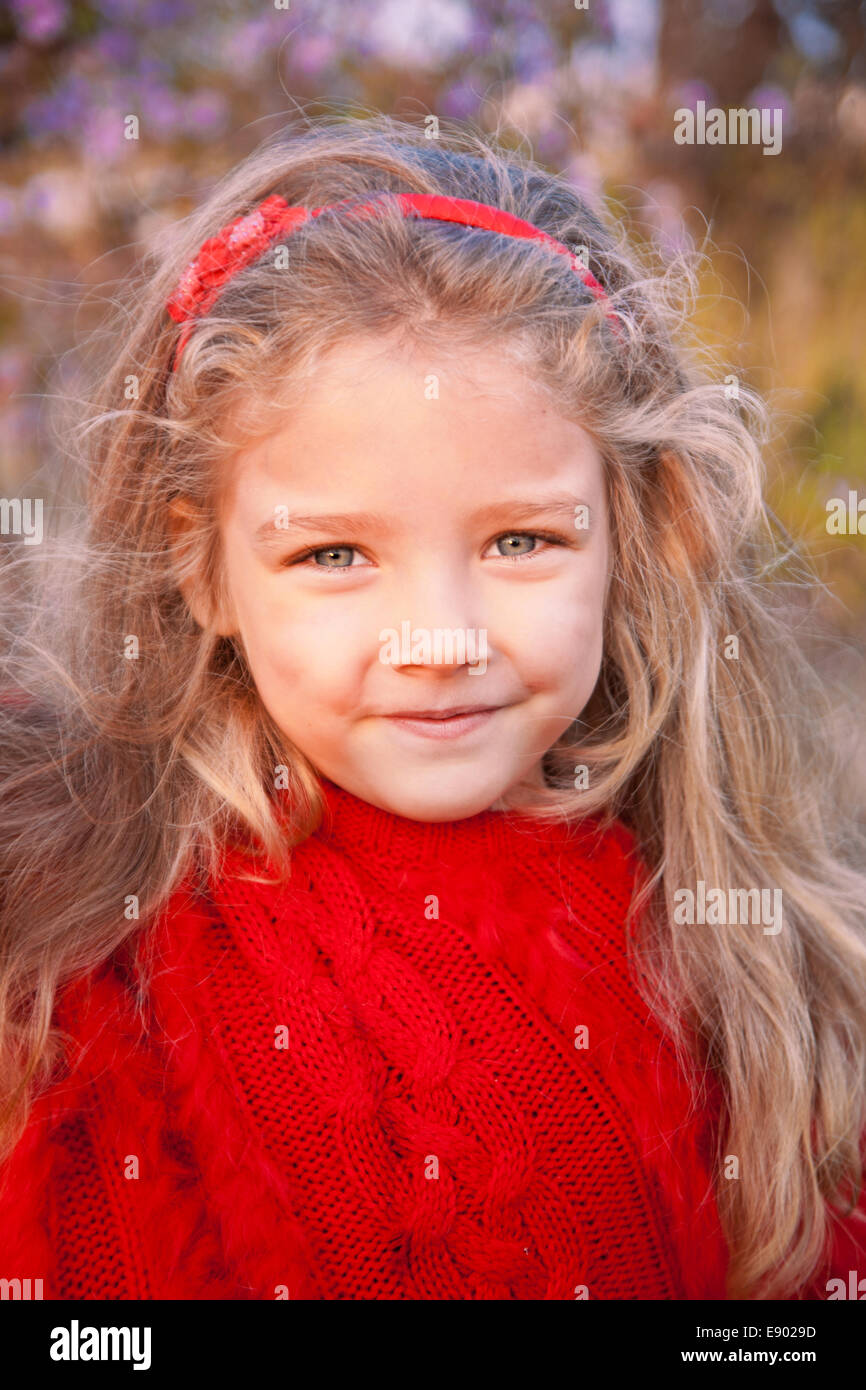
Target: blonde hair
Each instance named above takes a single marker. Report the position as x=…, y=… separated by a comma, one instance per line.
x=119, y=776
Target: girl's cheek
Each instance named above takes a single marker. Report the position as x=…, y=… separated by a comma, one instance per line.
x=304, y=643
x=299, y=655
x=557, y=624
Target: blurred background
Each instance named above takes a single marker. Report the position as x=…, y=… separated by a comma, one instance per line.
x=590, y=87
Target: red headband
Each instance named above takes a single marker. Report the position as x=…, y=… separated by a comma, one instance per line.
x=244, y=240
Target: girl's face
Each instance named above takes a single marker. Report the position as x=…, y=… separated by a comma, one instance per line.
x=384, y=558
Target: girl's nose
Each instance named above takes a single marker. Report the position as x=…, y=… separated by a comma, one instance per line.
x=436, y=620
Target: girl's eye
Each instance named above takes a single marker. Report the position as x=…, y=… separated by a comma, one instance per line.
x=533, y=536
x=331, y=551
x=547, y=538
x=339, y=553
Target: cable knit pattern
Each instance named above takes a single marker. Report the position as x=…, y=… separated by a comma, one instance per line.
x=366, y=1084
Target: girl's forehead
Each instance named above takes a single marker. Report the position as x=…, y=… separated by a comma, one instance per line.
x=362, y=398
x=337, y=482
x=407, y=423
x=376, y=430
x=392, y=364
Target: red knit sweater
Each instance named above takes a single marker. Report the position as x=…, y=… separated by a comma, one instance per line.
x=372, y=1083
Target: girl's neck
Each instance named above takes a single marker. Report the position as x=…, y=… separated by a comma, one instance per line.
x=354, y=825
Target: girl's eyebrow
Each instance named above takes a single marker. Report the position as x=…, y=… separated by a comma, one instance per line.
x=270, y=536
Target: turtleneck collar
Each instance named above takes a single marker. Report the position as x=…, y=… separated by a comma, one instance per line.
x=354, y=825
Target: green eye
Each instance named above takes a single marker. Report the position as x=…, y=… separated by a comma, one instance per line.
x=333, y=550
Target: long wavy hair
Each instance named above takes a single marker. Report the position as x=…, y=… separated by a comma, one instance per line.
x=121, y=776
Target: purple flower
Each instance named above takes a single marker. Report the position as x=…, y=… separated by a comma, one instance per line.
x=603, y=23
x=535, y=54
x=115, y=46
x=690, y=93
x=767, y=98
x=40, y=20
x=206, y=112
x=405, y=37
x=520, y=12
x=125, y=10
x=816, y=39
x=61, y=111
x=162, y=112
x=154, y=67
x=313, y=54
x=103, y=139
x=459, y=101
x=552, y=144
x=163, y=13
x=243, y=45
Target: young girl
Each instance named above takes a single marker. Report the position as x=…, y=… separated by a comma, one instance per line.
x=424, y=868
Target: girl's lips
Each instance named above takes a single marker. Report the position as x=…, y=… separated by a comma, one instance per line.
x=453, y=727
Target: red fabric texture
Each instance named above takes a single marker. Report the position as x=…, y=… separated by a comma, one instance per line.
x=365, y=1085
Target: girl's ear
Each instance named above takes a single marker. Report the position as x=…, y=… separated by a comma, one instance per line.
x=187, y=529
